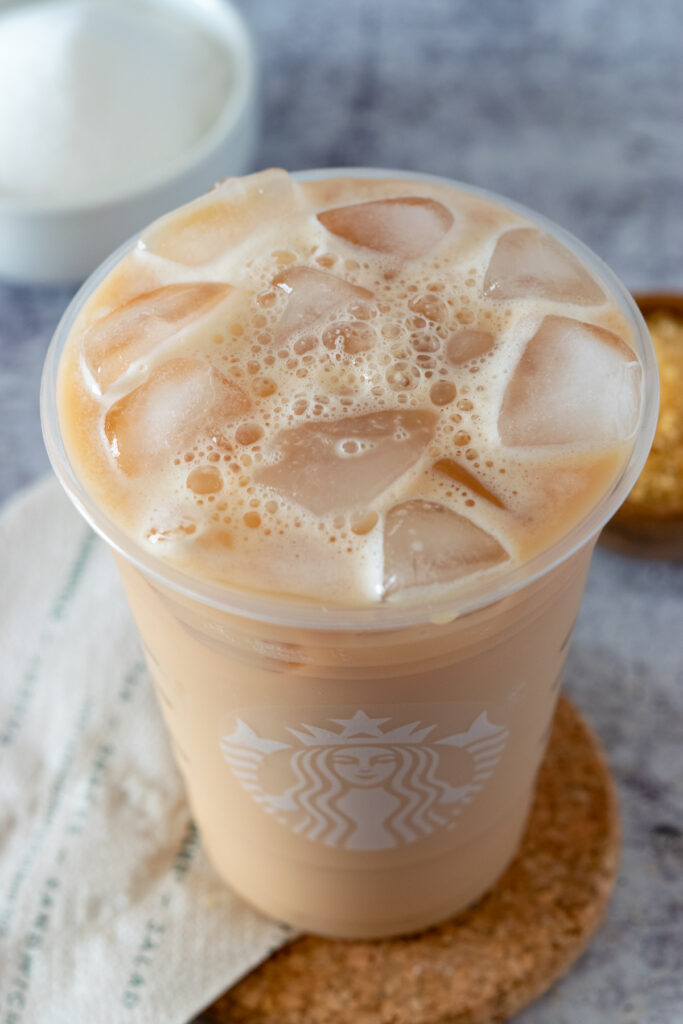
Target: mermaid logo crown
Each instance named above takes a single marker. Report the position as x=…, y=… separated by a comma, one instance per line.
x=359, y=729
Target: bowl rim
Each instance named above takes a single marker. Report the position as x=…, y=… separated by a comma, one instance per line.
x=224, y=23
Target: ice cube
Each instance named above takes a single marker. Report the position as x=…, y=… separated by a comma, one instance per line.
x=116, y=341
x=427, y=543
x=529, y=263
x=407, y=227
x=310, y=295
x=467, y=344
x=237, y=207
x=575, y=384
x=181, y=400
x=330, y=466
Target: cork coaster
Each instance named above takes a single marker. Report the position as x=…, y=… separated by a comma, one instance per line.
x=491, y=960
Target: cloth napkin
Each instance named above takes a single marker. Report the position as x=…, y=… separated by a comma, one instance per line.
x=109, y=910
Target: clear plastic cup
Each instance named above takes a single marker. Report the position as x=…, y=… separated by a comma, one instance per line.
x=360, y=772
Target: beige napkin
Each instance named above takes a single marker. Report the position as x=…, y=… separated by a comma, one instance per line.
x=109, y=910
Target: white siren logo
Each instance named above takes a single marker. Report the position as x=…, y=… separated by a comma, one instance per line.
x=364, y=785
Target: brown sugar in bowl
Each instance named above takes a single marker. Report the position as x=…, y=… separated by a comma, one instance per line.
x=650, y=522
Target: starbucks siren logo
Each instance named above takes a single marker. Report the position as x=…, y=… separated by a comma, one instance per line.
x=364, y=785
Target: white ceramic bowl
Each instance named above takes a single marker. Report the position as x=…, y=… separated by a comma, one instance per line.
x=59, y=242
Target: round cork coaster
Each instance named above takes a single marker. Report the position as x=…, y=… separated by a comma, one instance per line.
x=491, y=960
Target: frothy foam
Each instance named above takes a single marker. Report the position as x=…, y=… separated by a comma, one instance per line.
x=360, y=395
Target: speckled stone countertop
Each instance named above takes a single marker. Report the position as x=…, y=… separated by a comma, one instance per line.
x=575, y=109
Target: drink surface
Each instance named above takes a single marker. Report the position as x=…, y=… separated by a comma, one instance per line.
x=348, y=390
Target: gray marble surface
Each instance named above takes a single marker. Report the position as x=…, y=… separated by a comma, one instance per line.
x=574, y=108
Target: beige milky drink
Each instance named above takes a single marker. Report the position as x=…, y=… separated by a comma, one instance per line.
x=352, y=439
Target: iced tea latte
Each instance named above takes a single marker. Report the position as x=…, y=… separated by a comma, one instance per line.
x=338, y=430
